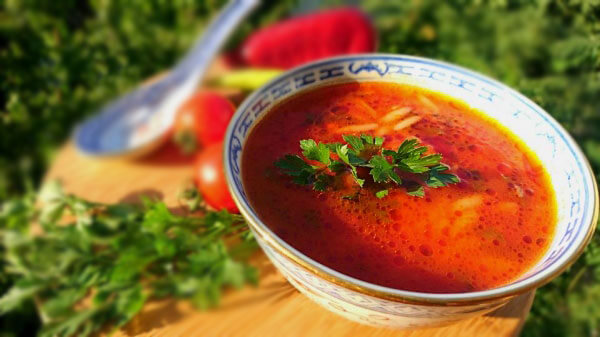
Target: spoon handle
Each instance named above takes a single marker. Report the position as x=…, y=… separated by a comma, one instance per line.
x=194, y=64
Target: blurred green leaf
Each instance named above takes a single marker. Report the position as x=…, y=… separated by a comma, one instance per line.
x=151, y=253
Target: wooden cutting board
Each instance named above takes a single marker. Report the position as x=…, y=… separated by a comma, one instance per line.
x=274, y=307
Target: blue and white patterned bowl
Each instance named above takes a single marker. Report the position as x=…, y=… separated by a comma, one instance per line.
x=571, y=176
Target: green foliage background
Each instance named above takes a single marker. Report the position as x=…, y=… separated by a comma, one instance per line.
x=61, y=60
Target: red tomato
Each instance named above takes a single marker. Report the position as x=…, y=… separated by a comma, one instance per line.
x=210, y=178
x=202, y=120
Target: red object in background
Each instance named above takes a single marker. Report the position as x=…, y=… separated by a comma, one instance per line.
x=210, y=178
x=233, y=58
x=310, y=37
x=202, y=120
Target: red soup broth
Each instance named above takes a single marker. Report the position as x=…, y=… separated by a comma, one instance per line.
x=478, y=234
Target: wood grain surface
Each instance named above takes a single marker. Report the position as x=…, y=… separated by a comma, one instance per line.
x=274, y=307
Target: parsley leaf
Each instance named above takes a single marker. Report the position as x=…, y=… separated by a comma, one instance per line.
x=337, y=166
x=367, y=139
x=361, y=143
x=436, y=177
x=351, y=160
x=313, y=151
x=417, y=192
x=383, y=171
x=356, y=160
x=342, y=152
x=359, y=181
x=296, y=167
x=322, y=181
x=419, y=164
x=409, y=157
x=382, y=193
x=356, y=142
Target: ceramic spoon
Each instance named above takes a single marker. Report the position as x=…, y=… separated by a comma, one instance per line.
x=139, y=121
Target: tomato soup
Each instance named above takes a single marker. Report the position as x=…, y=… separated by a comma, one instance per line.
x=478, y=234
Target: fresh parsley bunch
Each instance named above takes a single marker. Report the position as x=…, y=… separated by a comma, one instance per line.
x=368, y=152
x=93, y=265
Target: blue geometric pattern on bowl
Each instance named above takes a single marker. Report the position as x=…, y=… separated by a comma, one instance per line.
x=569, y=171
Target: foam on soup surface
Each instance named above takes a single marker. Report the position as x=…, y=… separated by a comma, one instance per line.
x=478, y=234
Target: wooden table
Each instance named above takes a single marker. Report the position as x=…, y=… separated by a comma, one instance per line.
x=274, y=308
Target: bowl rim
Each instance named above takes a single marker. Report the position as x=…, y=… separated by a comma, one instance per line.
x=405, y=296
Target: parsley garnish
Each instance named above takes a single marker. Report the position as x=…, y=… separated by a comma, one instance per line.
x=382, y=193
x=385, y=166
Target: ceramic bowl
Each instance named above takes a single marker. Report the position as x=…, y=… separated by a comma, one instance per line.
x=571, y=176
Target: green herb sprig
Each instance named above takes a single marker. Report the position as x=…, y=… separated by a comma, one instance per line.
x=99, y=269
x=366, y=151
